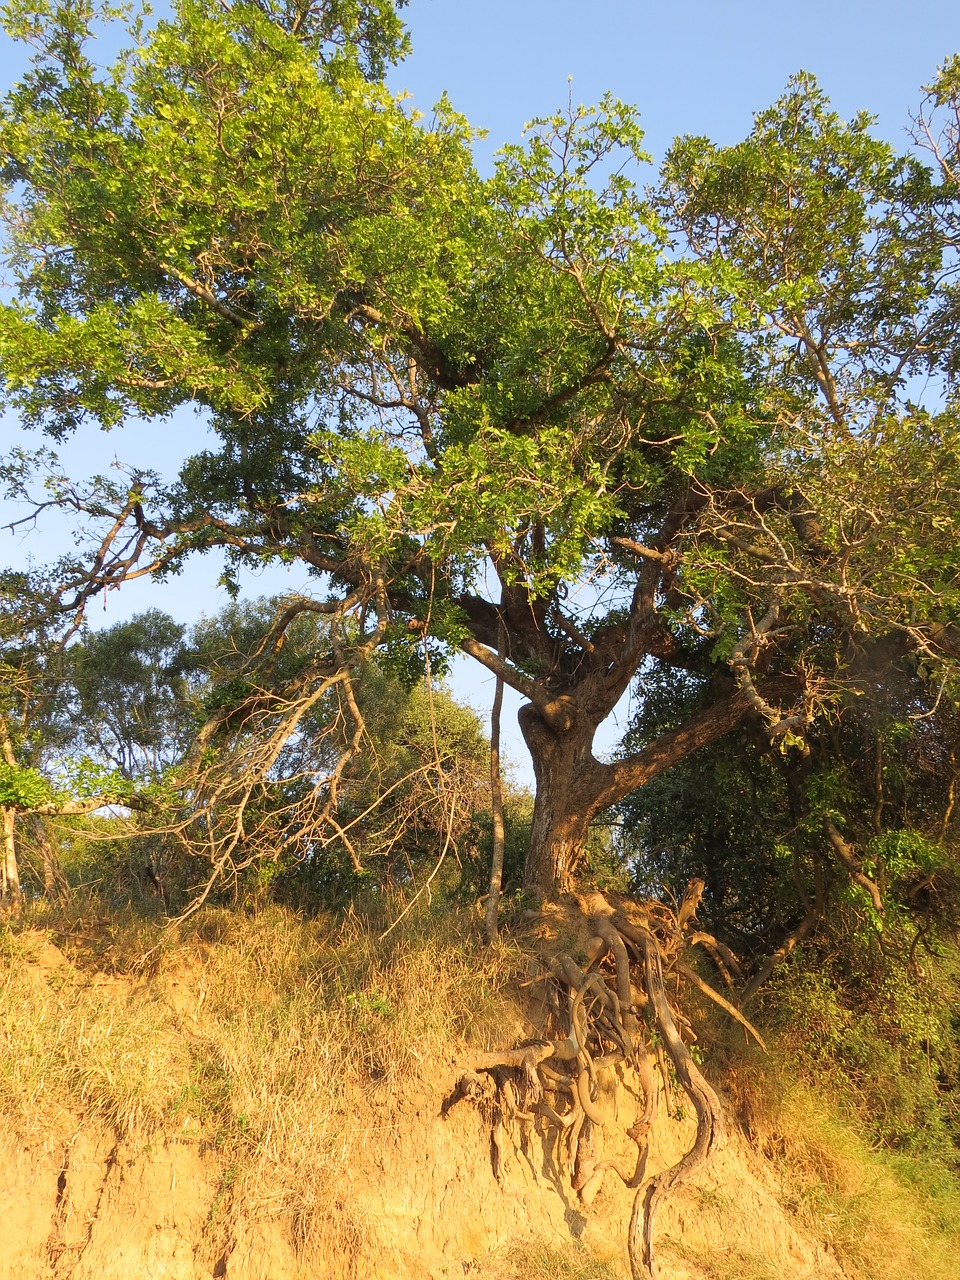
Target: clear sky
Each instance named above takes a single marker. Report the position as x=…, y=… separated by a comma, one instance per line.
x=696, y=67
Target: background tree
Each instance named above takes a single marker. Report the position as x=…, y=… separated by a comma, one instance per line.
x=413, y=800
x=32, y=720
x=290, y=754
x=133, y=698
x=42, y=774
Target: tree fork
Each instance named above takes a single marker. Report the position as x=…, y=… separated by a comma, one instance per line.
x=573, y=786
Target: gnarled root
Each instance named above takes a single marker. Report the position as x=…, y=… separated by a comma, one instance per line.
x=710, y=1130
x=598, y=1012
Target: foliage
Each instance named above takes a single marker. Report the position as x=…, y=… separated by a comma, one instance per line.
x=879, y=1028
x=132, y=693
x=33, y=706
x=754, y=821
x=643, y=436
x=411, y=796
x=475, y=857
x=23, y=788
x=34, y=721
x=850, y=1193
x=364, y=789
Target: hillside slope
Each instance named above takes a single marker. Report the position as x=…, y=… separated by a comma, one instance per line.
x=260, y=1100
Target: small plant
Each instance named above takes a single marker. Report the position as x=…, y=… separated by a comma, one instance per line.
x=541, y=1261
x=365, y=1002
x=227, y=1181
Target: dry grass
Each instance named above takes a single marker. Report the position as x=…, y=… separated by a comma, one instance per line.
x=731, y=1265
x=72, y=1040
x=537, y=1260
x=273, y=1038
x=884, y=1216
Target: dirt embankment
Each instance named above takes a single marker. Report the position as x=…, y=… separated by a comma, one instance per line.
x=418, y=1199
x=422, y=1202
x=413, y=1189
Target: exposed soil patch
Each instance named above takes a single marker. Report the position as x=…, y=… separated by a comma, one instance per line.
x=417, y=1186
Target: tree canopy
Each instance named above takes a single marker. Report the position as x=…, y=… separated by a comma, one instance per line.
x=593, y=434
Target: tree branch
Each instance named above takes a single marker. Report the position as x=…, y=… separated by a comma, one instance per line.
x=699, y=730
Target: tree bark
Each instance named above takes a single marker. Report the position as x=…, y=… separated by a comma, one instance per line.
x=55, y=883
x=11, y=897
x=573, y=787
x=569, y=783
x=496, y=809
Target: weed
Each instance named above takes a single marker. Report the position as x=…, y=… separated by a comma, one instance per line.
x=541, y=1261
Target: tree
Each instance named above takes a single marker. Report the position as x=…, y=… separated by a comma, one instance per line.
x=334, y=768
x=41, y=773
x=276, y=745
x=30, y=708
x=627, y=432
x=762, y=827
x=259, y=738
x=410, y=798
x=132, y=697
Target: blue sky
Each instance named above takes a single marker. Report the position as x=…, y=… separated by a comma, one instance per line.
x=695, y=67
x=690, y=68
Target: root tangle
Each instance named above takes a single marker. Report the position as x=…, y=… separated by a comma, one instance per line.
x=613, y=1011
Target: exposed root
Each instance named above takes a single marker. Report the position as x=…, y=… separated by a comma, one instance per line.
x=710, y=1131
x=613, y=1013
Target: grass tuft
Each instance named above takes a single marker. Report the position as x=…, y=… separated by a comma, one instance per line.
x=542, y=1261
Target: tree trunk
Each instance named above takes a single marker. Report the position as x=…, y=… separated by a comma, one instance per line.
x=55, y=884
x=10, y=896
x=492, y=929
x=573, y=786
x=569, y=785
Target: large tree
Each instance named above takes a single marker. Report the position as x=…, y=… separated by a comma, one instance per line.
x=577, y=431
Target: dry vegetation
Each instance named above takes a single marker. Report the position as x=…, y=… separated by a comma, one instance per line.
x=280, y=1043
x=269, y=1037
